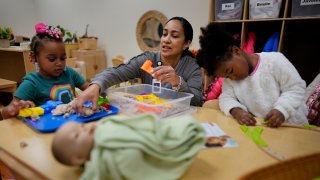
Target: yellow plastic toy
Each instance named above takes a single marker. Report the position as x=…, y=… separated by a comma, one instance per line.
x=27, y=112
x=150, y=99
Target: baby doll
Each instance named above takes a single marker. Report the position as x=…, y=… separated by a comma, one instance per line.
x=139, y=147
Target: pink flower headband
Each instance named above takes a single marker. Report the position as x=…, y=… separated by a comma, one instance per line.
x=54, y=32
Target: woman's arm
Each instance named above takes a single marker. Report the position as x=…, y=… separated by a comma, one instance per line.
x=122, y=73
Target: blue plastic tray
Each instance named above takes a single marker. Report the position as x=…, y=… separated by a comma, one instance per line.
x=48, y=123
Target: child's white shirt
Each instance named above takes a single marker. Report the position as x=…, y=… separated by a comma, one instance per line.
x=275, y=84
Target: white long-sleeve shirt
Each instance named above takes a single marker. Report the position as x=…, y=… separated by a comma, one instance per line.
x=275, y=84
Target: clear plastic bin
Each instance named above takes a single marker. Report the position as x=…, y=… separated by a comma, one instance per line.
x=124, y=99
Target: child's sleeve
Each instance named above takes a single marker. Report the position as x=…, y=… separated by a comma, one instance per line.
x=313, y=102
x=26, y=91
x=215, y=90
x=292, y=87
x=311, y=87
x=228, y=99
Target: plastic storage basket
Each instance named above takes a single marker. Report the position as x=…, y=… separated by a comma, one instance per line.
x=305, y=8
x=228, y=9
x=124, y=99
x=260, y=9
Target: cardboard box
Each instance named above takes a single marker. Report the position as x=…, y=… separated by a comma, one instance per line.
x=88, y=43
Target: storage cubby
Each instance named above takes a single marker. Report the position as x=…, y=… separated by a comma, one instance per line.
x=299, y=37
x=302, y=46
x=263, y=31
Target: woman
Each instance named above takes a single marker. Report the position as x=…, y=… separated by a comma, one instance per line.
x=174, y=65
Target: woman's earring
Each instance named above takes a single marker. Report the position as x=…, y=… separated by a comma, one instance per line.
x=37, y=66
x=65, y=67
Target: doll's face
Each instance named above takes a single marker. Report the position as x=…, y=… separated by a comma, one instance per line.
x=75, y=141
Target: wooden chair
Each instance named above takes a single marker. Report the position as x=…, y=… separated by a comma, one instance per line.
x=304, y=167
x=116, y=61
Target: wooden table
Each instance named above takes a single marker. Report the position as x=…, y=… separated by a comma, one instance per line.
x=7, y=86
x=28, y=152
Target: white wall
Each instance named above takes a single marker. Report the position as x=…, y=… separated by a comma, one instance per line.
x=19, y=15
x=112, y=21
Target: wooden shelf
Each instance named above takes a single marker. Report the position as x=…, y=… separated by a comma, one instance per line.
x=267, y=19
x=299, y=36
x=14, y=63
x=94, y=59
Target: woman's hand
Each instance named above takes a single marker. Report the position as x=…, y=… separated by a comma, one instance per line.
x=90, y=94
x=166, y=74
x=13, y=108
x=274, y=118
x=243, y=117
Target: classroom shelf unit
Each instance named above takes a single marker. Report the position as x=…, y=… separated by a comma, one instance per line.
x=299, y=36
x=14, y=63
x=95, y=61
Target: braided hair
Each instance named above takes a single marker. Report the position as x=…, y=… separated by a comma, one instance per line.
x=38, y=41
x=44, y=33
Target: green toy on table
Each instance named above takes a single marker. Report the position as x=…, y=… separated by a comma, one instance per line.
x=104, y=102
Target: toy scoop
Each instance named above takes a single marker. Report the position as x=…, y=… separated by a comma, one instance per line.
x=147, y=66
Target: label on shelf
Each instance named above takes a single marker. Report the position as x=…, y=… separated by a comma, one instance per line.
x=227, y=6
x=264, y=4
x=309, y=2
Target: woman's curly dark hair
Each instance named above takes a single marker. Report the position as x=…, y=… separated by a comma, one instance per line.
x=215, y=47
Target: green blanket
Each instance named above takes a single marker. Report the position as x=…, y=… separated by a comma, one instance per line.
x=143, y=147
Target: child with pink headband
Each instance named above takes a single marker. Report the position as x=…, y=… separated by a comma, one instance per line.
x=53, y=80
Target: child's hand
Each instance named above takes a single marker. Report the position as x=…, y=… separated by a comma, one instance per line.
x=13, y=108
x=274, y=118
x=243, y=117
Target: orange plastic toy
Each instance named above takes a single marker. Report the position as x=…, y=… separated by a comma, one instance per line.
x=147, y=66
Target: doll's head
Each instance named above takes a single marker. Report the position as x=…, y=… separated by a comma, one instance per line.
x=48, y=51
x=220, y=54
x=72, y=143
